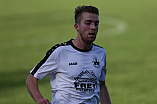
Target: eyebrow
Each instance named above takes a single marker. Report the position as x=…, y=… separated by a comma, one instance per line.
x=92, y=21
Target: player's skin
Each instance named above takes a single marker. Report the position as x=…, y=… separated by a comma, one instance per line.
x=87, y=29
x=32, y=85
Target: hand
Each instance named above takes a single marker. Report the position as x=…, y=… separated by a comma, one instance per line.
x=43, y=101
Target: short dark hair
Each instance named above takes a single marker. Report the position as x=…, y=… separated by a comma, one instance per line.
x=80, y=9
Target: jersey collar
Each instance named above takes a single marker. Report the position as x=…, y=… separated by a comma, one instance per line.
x=81, y=50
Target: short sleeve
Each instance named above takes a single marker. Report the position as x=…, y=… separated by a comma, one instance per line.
x=103, y=74
x=48, y=65
x=103, y=71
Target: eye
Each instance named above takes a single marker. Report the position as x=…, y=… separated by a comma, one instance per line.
x=96, y=23
x=87, y=23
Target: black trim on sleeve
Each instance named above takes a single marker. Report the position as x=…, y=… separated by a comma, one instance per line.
x=42, y=61
x=49, y=52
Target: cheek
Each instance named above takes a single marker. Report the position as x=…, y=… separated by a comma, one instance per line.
x=85, y=28
x=84, y=31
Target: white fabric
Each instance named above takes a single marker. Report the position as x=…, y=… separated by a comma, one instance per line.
x=74, y=75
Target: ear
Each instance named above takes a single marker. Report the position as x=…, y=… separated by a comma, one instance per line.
x=76, y=26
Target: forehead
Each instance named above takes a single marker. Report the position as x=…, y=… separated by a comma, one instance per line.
x=90, y=16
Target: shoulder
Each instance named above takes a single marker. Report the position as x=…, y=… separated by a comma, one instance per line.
x=61, y=45
x=97, y=47
x=58, y=46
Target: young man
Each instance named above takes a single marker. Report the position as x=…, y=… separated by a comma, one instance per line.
x=77, y=68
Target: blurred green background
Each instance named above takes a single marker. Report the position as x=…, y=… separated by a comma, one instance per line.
x=128, y=32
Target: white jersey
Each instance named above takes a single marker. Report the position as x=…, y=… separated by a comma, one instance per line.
x=74, y=73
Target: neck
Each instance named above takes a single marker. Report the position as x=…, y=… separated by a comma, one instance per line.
x=81, y=45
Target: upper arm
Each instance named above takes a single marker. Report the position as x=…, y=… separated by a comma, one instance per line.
x=31, y=78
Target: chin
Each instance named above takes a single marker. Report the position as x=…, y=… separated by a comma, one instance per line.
x=89, y=41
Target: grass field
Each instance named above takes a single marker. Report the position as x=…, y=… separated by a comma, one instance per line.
x=128, y=32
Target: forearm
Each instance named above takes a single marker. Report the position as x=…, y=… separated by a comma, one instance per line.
x=104, y=94
x=32, y=86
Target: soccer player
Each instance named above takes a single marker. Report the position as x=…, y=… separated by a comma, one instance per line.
x=77, y=68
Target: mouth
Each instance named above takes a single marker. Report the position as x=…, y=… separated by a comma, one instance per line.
x=92, y=35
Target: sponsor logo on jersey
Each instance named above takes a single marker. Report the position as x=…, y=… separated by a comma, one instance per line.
x=85, y=81
x=96, y=62
x=73, y=63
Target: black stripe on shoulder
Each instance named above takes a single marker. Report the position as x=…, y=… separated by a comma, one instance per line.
x=98, y=46
x=49, y=52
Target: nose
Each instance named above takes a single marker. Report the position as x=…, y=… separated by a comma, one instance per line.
x=93, y=27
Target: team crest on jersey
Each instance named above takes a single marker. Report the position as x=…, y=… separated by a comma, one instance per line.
x=96, y=62
x=85, y=81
